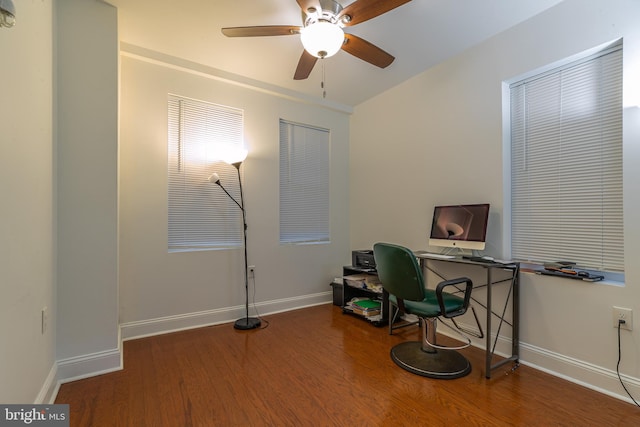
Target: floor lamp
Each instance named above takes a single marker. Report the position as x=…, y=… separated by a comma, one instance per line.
x=246, y=322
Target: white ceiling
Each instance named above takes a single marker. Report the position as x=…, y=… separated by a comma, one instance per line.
x=420, y=34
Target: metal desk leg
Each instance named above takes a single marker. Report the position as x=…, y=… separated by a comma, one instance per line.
x=488, y=353
x=515, y=323
x=515, y=303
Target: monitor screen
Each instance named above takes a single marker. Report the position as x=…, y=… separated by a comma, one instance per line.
x=460, y=226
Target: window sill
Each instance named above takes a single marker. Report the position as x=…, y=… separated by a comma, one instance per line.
x=604, y=281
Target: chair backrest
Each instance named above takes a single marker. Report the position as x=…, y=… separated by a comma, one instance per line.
x=399, y=271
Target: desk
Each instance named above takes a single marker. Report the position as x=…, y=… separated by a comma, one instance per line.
x=514, y=293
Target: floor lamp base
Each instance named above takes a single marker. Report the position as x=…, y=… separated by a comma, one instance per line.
x=247, y=323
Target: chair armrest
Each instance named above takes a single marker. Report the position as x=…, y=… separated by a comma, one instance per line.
x=466, y=297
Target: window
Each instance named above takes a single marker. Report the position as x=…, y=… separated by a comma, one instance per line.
x=566, y=164
x=304, y=183
x=201, y=216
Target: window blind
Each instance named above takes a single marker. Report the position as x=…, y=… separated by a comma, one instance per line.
x=566, y=165
x=304, y=183
x=200, y=215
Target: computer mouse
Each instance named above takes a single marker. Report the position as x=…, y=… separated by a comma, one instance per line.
x=583, y=273
x=488, y=258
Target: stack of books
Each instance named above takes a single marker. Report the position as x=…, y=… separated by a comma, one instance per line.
x=560, y=264
x=365, y=307
x=565, y=267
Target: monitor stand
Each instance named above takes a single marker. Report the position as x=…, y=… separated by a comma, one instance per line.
x=457, y=252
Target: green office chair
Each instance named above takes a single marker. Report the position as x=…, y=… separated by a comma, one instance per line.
x=401, y=276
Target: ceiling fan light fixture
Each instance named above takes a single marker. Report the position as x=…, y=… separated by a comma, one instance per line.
x=322, y=39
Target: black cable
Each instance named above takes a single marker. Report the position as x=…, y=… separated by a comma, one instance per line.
x=265, y=322
x=620, y=322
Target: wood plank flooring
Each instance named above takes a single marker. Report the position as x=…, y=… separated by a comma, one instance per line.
x=319, y=367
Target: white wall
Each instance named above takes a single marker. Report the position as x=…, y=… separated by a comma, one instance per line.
x=160, y=291
x=87, y=174
x=437, y=138
x=27, y=275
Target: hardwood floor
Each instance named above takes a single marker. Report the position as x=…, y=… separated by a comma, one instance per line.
x=319, y=367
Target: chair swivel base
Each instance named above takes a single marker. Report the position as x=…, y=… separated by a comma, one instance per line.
x=443, y=364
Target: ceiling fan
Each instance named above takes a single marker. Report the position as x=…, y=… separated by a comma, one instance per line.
x=322, y=33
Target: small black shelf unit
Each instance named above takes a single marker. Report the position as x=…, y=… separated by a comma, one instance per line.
x=343, y=293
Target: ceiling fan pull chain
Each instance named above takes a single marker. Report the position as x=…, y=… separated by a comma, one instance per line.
x=324, y=92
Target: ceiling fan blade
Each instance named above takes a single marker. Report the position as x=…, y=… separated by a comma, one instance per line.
x=366, y=51
x=259, y=31
x=305, y=65
x=363, y=10
x=306, y=5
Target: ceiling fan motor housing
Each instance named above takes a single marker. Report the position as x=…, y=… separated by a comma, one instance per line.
x=329, y=13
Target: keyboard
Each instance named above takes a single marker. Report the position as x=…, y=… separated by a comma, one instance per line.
x=478, y=259
x=438, y=256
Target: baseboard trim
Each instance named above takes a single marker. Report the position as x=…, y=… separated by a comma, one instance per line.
x=570, y=369
x=588, y=375
x=50, y=387
x=89, y=365
x=163, y=325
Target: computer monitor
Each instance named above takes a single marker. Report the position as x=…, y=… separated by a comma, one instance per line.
x=460, y=226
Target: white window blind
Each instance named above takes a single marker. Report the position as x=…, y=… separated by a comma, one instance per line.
x=201, y=216
x=304, y=183
x=566, y=164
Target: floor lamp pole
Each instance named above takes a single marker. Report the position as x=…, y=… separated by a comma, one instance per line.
x=246, y=322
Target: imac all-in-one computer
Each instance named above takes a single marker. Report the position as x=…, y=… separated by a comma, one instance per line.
x=460, y=226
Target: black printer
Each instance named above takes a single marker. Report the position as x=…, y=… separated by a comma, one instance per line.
x=363, y=259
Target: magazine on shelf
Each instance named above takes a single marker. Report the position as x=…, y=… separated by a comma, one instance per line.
x=364, y=281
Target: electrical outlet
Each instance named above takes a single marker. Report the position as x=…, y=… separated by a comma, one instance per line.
x=252, y=271
x=44, y=320
x=625, y=314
